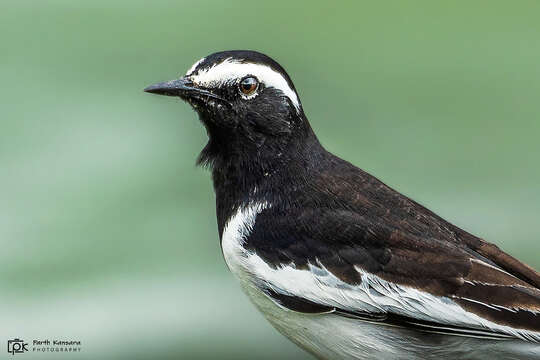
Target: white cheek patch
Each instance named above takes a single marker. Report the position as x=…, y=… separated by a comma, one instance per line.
x=231, y=70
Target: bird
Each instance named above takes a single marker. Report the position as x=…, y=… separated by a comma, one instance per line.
x=336, y=260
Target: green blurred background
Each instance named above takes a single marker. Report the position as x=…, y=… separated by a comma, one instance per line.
x=107, y=229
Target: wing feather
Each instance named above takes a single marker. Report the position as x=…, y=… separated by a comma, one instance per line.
x=377, y=270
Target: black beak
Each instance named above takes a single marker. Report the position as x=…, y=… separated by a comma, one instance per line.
x=177, y=87
x=183, y=88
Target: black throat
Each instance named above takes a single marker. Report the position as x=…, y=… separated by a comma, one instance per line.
x=248, y=168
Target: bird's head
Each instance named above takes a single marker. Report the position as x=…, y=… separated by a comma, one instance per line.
x=246, y=101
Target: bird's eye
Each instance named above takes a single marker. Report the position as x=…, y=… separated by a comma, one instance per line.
x=249, y=85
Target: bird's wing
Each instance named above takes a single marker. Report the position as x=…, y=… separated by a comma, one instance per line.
x=321, y=260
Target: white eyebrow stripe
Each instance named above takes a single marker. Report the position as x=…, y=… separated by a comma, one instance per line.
x=193, y=67
x=230, y=69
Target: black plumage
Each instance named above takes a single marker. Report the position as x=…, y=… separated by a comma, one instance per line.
x=328, y=212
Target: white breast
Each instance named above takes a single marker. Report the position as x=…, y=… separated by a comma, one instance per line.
x=236, y=230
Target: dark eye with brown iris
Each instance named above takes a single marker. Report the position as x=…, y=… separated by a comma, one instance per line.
x=248, y=85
